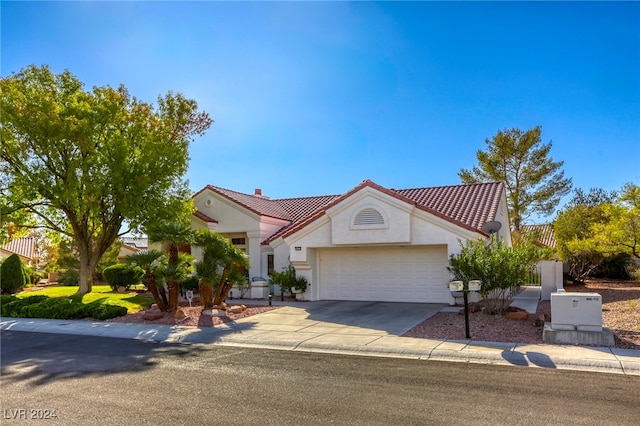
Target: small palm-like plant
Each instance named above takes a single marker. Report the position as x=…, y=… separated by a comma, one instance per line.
x=174, y=235
x=150, y=262
x=221, y=267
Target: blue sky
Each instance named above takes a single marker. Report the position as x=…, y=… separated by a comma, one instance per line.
x=312, y=98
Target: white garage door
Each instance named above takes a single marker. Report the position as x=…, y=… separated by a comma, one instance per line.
x=398, y=274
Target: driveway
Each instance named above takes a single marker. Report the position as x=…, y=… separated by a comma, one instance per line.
x=339, y=317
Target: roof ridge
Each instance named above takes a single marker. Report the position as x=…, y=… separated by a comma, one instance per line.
x=448, y=186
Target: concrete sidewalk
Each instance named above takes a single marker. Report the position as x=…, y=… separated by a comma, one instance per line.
x=293, y=328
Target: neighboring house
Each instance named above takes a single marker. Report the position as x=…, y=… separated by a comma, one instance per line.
x=553, y=273
x=371, y=243
x=543, y=234
x=24, y=247
x=132, y=246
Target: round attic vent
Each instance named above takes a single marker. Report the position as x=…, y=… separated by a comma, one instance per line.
x=208, y=202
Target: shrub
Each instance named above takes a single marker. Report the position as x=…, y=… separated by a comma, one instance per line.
x=53, y=307
x=121, y=275
x=288, y=280
x=6, y=298
x=57, y=308
x=105, y=311
x=190, y=284
x=613, y=267
x=69, y=277
x=34, y=276
x=13, y=276
x=633, y=270
x=500, y=269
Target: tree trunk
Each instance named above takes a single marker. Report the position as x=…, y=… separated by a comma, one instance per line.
x=206, y=294
x=87, y=270
x=153, y=288
x=220, y=295
x=163, y=296
x=174, y=295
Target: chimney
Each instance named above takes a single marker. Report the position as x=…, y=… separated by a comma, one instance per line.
x=258, y=192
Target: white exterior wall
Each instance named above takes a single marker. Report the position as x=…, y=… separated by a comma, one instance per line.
x=404, y=225
x=551, y=277
x=234, y=219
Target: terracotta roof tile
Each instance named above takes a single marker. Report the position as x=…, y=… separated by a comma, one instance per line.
x=543, y=234
x=472, y=204
x=468, y=206
x=25, y=247
x=260, y=205
x=204, y=217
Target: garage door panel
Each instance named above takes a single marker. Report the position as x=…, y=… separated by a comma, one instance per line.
x=384, y=274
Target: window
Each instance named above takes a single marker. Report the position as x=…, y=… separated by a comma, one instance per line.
x=270, y=267
x=238, y=241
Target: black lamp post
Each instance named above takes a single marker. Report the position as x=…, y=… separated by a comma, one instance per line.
x=457, y=287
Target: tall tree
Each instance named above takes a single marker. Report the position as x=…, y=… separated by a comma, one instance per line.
x=534, y=182
x=620, y=232
x=597, y=226
x=86, y=162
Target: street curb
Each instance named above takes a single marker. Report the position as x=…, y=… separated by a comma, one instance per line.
x=625, y=361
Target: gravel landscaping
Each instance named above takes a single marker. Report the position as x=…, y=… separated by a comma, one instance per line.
x=620, y=314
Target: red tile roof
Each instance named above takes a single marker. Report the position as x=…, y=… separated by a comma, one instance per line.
x=543, y=234
x=204, y=217
x=25, y=247
x=468, y=206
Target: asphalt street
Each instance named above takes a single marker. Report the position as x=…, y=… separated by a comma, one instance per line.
x=109, y=381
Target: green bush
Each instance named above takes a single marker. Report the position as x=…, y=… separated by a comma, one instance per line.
x=288, y=280
x=613, y=267
x=34, y=276
x=105, y=311
x=190, y=284
x=13, y=276
x=5, y=300
x=69, y=277
x=500, y=268
x=121, y=275
x=57, y=308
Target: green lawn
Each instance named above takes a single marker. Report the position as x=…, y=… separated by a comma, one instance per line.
x=132, y=302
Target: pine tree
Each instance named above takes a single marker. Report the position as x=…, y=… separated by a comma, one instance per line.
x=534, y=182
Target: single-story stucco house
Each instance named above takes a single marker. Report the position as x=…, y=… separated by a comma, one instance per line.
x=370, y=244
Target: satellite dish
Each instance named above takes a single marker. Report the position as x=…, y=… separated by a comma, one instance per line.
x=491, y=227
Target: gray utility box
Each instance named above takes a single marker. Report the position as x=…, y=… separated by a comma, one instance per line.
x=576, y=311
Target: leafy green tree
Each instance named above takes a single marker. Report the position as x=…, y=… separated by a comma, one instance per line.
x=87, y=162
x=598, y=227
x=534, y=182
x=620, y=232
x=13, y=276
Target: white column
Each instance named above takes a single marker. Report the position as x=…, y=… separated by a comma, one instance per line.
x=255, y=254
